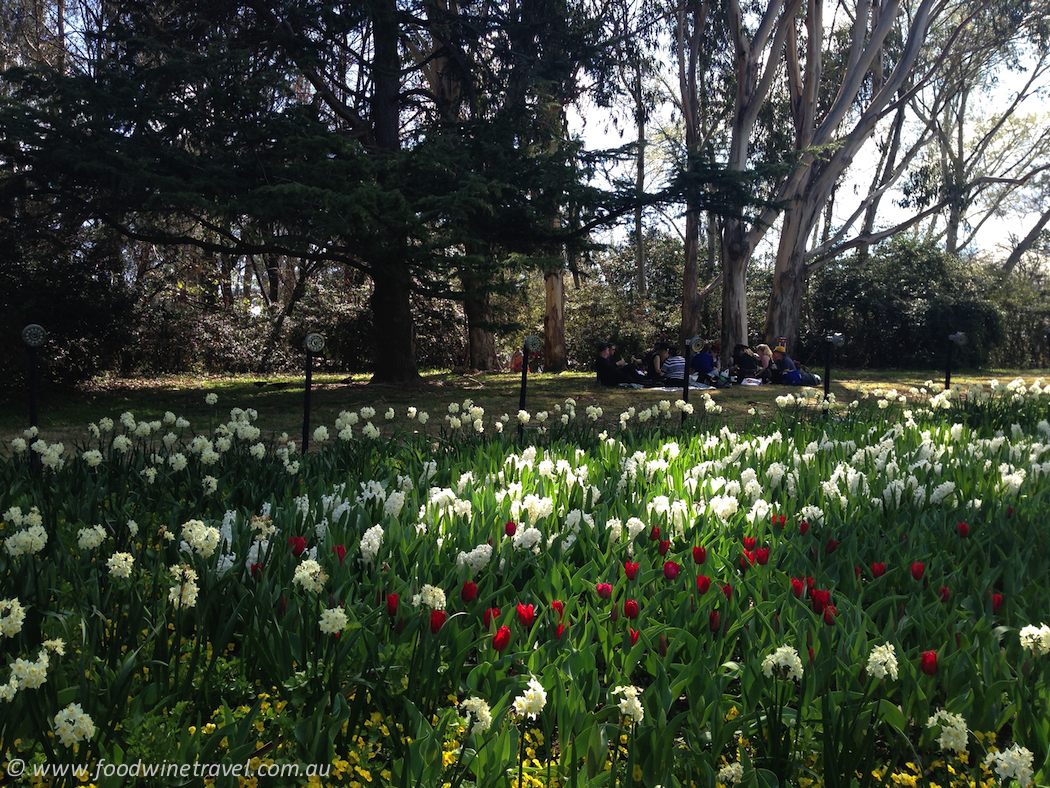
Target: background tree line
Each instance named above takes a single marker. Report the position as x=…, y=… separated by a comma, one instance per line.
x=195, y=185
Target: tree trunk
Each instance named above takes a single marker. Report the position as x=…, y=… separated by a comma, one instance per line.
x=481, y=342
x=554, y=322
x=789, y=277
x=736, y=253
x=394, y=339
x=639, y=188
x=690, y=278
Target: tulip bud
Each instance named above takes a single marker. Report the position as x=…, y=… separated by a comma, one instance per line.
x=928, y=662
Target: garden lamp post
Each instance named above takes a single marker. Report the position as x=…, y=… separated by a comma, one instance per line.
x=958, y=338
x=34, y=336
x=830, y=341
x=690, y=344
x=531, y=344
x=314, y=344
x=1047, y=333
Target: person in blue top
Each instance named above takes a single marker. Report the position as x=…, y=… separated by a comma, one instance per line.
x=783, y=370
x=704, y=363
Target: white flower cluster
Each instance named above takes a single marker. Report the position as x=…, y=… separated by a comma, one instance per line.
x=50, y=454
x=1037, y=639
x=29, y=675
x=310, y=576
x=528, y=539
x=262, y=526
x=882, y=662
x=474, y=707
x=394, y=503
x=786, y=658
x=1014, y=763
x=184, y=593
x=333, y=621
x=12, y=616
x=431, y=597
x=73, y=725
x=371, y=541
x=29, y=541
x=531, y=702
x=120, y=564
x=200, y=538
x=731, y=774
x=953, y=730
x=90, y=538
x=476, y=560
x=630, y=706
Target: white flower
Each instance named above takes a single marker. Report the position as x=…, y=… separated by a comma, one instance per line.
x=333, y=621
x=90, y=538
x=72, y=725
x=1037, y=639
x=211, y=399
x=200, y=538
x=477, y=559
x=630, y=706
x=784, y=657
x=370, y=430
x=367, y=413
x=371, y=541
x=12, y=616
x=523, y=417
x=389, y=415
x=882, y=662
x=531, y=702
x=1015, y=763
x=184, y=592
x=210, y=484
x=177, y=461
x=479, y=709
x=321, y=434
x=431, y=597
x=93, y=458
x=733, y=773
x=310, y=576
x=953, y=730
x=120, y=564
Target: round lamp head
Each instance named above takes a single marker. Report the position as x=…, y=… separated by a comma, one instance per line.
x=695, y=344
x=34, y=335
x=533, y=343
x=835, y=340
x=959, y=338
x=314, y=343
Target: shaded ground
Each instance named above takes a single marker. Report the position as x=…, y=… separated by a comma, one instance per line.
x=279, y=399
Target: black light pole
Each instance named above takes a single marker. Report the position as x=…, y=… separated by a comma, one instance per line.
x=830, y=341
x=531, y=344
x=958, y=338
x=34, y=336
x=314, y=343
x=1048, y=339
x=689, y=343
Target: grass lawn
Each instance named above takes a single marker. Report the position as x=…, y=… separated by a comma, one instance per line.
x=64, y=414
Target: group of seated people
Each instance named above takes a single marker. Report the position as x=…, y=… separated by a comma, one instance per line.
x=665, y=366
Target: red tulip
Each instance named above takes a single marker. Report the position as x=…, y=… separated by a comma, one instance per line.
x=560, y=631
x=703, y=582
x=391, y=605
x=604, y=590
x=257, y=571
x=510, y=528
x=820, y=599
x=671, y=569
x=747, y=559
x=631, y=570
x=654, y=535
x=929, y=662
x=633, y=635
x=560, y=607
x=615, y=614
x=714, y=621
x=728, y=591
x=810, y=582
x=832, y=544
x=802, y=528
x=340, y=552
x=879, y=569
x=437, y=620
x=699, y=555
x=810, y=655
x=778, y=519
x=526, y=615
x=829, y=615
x=501, y=639
x=491, y=614
x=470, y=590
x=945, y=594
x=917, y=568
x=630, y=609
x=997, y=602
x=665, y=545
x=749, y=543
x=963, y=529
x=1009, y=511
x=762, y=555
x=298, y=545
x=797, y=587
x=857, y=571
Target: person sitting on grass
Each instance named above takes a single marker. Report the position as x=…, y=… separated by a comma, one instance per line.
x=705, y=364
x=673, y=368
x=613, y=373
x=783, y=370
x=744, y=363
x=653, y=362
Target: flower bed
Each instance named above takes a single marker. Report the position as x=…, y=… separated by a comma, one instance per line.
x=848, y=598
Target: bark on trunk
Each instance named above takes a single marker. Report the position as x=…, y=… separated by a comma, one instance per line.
x=735, y=256
x=789, y=279
x=691, y=278
x=554, y=322
x=477, y=304
x=394, y=339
